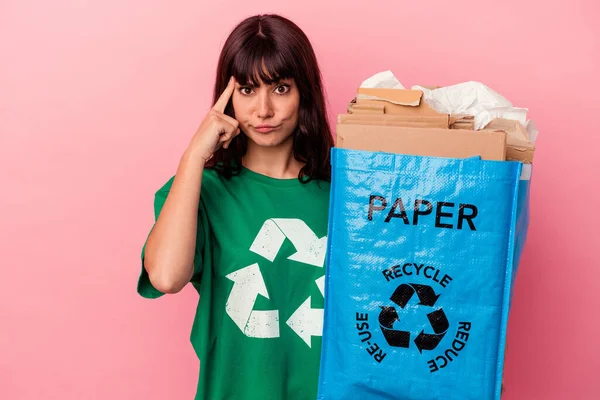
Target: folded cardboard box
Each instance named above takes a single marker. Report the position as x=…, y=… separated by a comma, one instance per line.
x=435, y=142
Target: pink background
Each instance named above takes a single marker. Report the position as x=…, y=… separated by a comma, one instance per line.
x=99, y=99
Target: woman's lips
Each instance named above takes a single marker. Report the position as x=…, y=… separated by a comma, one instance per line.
x=265, y=128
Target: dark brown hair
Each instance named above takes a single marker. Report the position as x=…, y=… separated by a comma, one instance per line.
x=269, y=48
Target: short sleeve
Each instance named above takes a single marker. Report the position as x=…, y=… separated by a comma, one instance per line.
x=144, y=286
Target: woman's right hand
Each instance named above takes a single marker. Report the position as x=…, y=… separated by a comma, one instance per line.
x=216, y=130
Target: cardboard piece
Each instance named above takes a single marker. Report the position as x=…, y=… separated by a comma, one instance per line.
x=394, y=101
x=369, y=108
x=518, y=145
x=417, y=121
x=401, y=97
x=354, y=108
x=435, y=142
x=462, y=121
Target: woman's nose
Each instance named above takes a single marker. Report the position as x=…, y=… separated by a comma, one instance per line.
x=265, y=106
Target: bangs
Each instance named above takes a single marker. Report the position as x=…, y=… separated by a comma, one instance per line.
x=260, y=61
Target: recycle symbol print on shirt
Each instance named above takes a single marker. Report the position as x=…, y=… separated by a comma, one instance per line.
x=248, y=282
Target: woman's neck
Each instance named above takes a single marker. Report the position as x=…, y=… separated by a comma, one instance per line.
x=275, y=162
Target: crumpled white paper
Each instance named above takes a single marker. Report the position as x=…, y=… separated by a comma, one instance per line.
x=382, y=80
x=532, y=130
x=472, y=98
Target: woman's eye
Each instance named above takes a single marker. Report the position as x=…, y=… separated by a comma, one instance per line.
x=282, y=89
x=246, y=90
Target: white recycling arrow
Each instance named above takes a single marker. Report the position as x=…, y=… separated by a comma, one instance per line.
x=248, y=283
x=321, y=284
x=307, y=322
x=310, y=249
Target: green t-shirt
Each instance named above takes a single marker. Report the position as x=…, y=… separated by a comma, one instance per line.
x=259, y=270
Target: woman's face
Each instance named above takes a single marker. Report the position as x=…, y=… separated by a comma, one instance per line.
x=268, y=114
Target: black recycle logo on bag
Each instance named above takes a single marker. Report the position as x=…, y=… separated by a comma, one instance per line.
x=437, y=318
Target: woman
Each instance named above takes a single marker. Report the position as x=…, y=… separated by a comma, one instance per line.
x=244, y=219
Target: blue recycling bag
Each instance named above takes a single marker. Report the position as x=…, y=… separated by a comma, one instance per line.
x=422, y=257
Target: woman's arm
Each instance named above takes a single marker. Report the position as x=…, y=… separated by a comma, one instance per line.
x=169, y=256
x=170, y=248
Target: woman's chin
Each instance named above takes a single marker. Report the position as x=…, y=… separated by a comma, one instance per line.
x=271, y=139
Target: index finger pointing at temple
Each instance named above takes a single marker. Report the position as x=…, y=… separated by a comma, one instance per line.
x=225, y=96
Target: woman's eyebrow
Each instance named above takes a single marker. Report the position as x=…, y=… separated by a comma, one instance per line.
x=253, y=85
x=282, y=80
